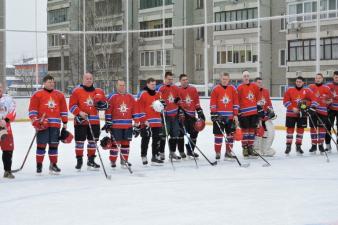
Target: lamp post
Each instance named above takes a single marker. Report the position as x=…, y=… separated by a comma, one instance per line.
x=63, y=37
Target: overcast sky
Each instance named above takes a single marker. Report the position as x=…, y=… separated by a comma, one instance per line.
x=20, y=15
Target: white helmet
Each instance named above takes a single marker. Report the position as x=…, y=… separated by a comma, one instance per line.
x=158, y=106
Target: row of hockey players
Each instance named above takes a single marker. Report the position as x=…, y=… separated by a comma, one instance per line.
x=158, y=112
x=167, y=110
x=317, y=103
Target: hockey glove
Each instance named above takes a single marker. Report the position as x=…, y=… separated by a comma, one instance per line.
x=145, y=131
x=200, y=113
x=107, y=126
x=40, y=125
x=163, y=102
x=136, y=130
x=177, y=99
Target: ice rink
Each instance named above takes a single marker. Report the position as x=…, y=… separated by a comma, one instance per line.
x=294, y=190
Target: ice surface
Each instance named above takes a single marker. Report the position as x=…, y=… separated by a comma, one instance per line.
x=294, y=190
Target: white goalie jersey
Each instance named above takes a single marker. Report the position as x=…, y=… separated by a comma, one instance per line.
x=7, y=107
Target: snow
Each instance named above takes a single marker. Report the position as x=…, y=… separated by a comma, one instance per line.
x=294, y=190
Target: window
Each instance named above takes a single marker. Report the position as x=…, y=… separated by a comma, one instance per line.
x=311, y=7
x=146, y=4
x=335, y=48
x=300, y=50
x=235, y=54
x=200, y=33
x=155, y=24
x=54, y=63
x=200, y=4
x=108, y=8
x=307, y=9
x=154, y=58
x=236, y=15
x=332, y=6
x=199, y=62
x=282, y=58
x=283, y=23
x=58, y=16
x=57, y=40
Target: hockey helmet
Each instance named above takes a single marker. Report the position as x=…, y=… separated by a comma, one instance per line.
x=158, y=106
x=65, y=136
x=100, y=102
x=106, y=143
x=199, y=125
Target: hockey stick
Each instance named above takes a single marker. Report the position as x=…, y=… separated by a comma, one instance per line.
x=211, y=163
x=108, y=177
x=121, y=155
x=166, y=136
x=226, y=139
x=321, y=121
x=26, y=156
x=192, y=150
x=29, y=148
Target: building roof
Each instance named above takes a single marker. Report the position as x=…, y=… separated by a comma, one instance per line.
x=32, y=61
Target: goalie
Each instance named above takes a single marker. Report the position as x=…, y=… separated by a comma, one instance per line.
x=265, y=132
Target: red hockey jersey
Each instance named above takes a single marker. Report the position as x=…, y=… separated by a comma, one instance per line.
x=264, y=99
x=83, y=100
x=292, y=96
x=169, y=93
x=323, y=94
x=334, y=91
x=147, y=113
x=190, y=101
x=122, y=110
x=52, y=104
x=248, y=95
x=224, y=100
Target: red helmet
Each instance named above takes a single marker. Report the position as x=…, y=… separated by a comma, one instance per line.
x=106, y=143
x=199, y=125
x=100, y=102
x=65, y=136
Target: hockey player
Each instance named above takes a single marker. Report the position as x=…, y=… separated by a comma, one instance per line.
x=333, y=110
x=170, y=94
x=7, y=115
x=47, y=109
x=297, y=100
x=151, y=123
x=248, y=93
x=119, y=118
x=224, y=110
x=266, y=115
x=85, y=103
x=317, y=128
x=190, y=104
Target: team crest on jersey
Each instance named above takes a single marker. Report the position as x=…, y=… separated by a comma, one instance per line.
x=51, y=103
x=89, y=101
x=123, y=108
x=171, y=98
x=250, y=96
x=317, y=94
x=334, y=93
x=225, y=99
x=188, y=100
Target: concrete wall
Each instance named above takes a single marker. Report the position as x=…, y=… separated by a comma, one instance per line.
x=22, y=105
